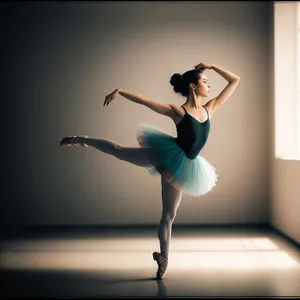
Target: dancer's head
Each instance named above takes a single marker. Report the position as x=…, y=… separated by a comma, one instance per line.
x=189, y=81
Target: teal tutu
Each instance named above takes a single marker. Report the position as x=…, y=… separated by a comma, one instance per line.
x=195, y=176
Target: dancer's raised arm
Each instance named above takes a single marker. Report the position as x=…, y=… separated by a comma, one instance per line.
x=160, y=108
x=232, y=79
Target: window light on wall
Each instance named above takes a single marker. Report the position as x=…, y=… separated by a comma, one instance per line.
x=287, y=79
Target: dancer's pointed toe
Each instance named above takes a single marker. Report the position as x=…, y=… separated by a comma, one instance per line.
x=73, y=141
x=162, y=263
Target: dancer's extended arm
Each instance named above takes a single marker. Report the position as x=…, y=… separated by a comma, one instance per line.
x=160, y=108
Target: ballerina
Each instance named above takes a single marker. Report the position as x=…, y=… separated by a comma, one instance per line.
x=176, y=159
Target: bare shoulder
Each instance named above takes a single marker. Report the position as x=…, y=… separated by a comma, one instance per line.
x=177, y=114
x=178, y=110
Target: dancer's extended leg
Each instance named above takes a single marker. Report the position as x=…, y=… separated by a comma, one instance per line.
x=133, y=155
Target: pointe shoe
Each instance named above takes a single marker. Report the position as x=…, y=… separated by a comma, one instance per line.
x=162, y=263
x=71, y=141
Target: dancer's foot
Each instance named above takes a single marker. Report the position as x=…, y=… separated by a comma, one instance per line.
x=71, y=141
x=162, y=263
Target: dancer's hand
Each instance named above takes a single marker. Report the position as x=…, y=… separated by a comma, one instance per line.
x=111, y=97
x=202, y=67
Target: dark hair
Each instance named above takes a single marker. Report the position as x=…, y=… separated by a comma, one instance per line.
x=181, y=82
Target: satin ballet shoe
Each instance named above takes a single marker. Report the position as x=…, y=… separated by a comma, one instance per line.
x=72, y=141
x=162, y=263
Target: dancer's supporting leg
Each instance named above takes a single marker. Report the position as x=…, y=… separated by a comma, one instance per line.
x=171, y=198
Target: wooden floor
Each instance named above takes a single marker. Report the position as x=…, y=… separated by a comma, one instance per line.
x=203, y=262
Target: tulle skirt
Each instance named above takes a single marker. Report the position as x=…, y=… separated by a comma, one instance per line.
x=194, y=176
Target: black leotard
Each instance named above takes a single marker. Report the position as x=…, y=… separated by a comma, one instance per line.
x=192, y=134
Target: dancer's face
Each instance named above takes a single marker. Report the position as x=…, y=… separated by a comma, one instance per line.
x=202, y=87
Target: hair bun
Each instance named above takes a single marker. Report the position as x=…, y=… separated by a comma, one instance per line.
x=181, y=83
x=176, y=80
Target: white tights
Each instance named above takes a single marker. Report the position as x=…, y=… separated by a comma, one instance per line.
x=171, y=196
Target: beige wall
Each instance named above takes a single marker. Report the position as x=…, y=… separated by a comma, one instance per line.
x=73, y=54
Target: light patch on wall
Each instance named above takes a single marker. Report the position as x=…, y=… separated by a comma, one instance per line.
x=286, y=80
